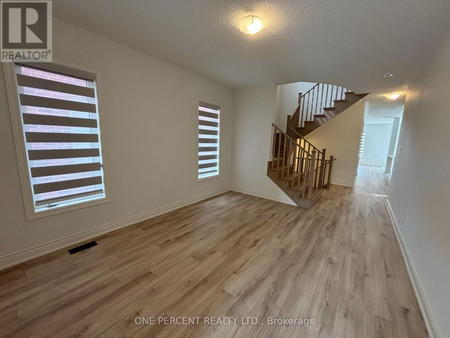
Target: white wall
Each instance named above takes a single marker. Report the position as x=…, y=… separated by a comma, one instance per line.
x=341, y=137
x=255, y=112
x=376, y=147
x=287, y=100
x=420, y=186
x=149, y=131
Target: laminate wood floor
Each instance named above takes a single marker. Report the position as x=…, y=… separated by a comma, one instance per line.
x=233, y=255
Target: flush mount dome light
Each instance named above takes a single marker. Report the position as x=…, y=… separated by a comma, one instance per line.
x=392, y=96
x=388, y=75
x=250, y=24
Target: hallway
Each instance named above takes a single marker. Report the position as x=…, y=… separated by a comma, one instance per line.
x=371, y=180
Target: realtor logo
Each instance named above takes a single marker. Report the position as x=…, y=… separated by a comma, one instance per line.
x=26, y=31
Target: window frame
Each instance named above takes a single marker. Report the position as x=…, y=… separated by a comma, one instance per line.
x=20, y=145
x=198, y=104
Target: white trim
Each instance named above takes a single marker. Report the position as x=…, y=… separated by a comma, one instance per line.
x=424, y=304
x=343, y=183
x=19, y=143
x=61, y=243
x=212, y=177
x=67, y=208
x=379, y=122
x=268, y=196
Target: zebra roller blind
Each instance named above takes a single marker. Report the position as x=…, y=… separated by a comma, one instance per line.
x=208, y=140
x=60, y=123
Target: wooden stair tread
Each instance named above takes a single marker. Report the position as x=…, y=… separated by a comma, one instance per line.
x=295, y=186
x=290, y=176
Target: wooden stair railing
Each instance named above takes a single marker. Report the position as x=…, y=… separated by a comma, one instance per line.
x=298, y=167
x=321, y=156
x=320, y=104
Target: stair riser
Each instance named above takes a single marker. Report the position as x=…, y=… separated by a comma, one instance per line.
x=309, y=127
x=329, y=114
x=293, y=184
x=285, y=172
x=341, y=106
x=277, y=164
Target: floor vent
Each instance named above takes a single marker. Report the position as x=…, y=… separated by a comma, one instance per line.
x=82, y=247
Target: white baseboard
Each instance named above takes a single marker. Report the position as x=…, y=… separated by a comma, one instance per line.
x=343, y=183
x=268, y=196
x=40, y=250
x=422, y=299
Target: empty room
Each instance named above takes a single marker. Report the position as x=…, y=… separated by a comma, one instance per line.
x=225, y=168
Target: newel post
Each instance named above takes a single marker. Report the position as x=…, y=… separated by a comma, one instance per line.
x=311, y=174
x=329, y=172
x=288, y=124
x=322, y=168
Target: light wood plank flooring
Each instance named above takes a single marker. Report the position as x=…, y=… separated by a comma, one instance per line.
x=233, y=255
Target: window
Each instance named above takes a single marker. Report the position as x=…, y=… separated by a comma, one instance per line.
x=58, y=111
x=362, y=143
x=208, y=140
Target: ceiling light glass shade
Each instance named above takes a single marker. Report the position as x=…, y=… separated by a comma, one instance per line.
x=250, y=24
x=392, y=96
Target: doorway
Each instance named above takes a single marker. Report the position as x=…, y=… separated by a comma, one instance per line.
x=379, y=137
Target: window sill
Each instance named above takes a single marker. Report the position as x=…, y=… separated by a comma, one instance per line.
x=61, y=210
x=207, y=178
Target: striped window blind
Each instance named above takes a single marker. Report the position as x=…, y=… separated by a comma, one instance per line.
x=60, y=123
x=362, y=144
x=208, y=140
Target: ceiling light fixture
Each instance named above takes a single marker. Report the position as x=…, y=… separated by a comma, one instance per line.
x=387, y=75
x=392, y=96
x=250, y=24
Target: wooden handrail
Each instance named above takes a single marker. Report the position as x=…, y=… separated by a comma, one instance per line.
x=317, y=84
x=294, y=141
x=304, y=139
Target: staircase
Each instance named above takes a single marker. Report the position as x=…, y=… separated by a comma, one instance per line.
x=320, y=104
x=296, y=166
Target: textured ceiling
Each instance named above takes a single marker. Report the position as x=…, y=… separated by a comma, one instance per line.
x=347, y=42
